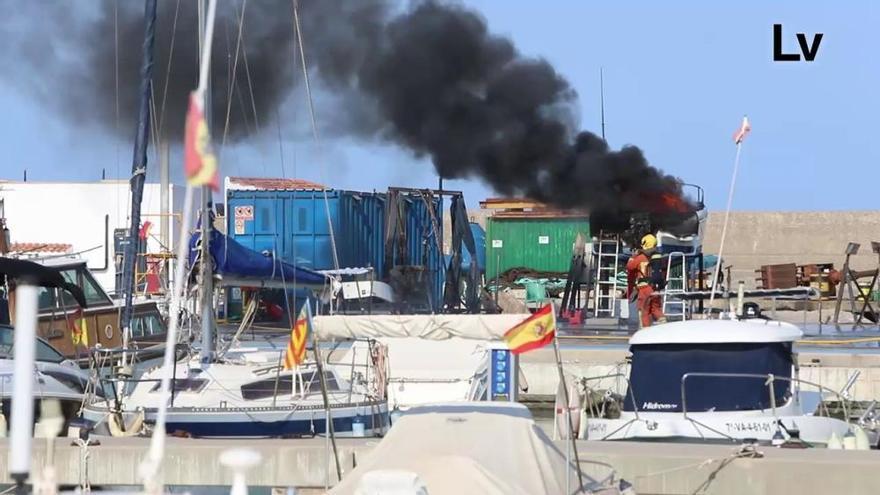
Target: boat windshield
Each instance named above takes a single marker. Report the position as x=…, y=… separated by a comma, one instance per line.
x=657, y=370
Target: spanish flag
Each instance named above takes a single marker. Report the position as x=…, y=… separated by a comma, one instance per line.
x=296, y=348
x=535, y=332
x=199, y=162
x=79, y=330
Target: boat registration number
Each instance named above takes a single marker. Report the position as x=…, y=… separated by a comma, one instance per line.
x=596, y=429
x=749, y=426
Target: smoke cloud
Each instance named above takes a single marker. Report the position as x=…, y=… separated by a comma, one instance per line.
x=429, y=77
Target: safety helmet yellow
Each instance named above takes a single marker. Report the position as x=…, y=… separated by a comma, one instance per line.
x=649, y=241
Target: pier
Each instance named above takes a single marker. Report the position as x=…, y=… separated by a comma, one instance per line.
x=653, y=468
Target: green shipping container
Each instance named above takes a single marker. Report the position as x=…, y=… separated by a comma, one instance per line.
x=543, y=244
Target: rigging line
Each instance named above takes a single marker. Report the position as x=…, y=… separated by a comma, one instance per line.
x=244, y=111
x=154, y=122
x=233, y=78
x=280, y=142
x=168, y=67
x=116, y=75
x=302, y=55
x=247, y=72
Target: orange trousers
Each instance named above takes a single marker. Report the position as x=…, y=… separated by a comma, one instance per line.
x=648, y=304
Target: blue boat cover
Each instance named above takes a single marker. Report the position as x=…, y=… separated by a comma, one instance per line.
x=234, y=260
x=655, y=378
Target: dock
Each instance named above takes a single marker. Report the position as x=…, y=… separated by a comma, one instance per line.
x=653, y=468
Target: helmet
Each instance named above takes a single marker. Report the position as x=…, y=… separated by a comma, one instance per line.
x=649, y=241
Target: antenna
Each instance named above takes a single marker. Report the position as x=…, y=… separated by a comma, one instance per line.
x=602, y=99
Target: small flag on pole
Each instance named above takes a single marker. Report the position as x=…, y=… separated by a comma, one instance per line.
x=743, y=130
x=296, y=348
x=200, y=164
x=534, y=332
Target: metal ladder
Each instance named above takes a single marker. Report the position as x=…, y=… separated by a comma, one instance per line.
x=605, y=288
x=675, y=308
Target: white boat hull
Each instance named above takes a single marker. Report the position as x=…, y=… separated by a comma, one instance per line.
x=716, y=427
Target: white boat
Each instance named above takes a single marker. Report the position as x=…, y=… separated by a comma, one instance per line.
x=247, y=394
x=475, y=447
x=54, y=377
x=717, y=381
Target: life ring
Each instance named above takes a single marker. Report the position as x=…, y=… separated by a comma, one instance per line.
x=118, y=428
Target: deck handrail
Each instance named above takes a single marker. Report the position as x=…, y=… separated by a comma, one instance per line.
x=770, y=380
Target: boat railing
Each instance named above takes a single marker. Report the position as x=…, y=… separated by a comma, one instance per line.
x=629, y=388
x=770, y=380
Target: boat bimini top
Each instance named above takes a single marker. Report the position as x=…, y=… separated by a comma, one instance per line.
x=717, y=332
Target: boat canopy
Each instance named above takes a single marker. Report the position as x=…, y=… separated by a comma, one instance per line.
x=430, y=327
x=241, y=266
x=717, y=332
x=658, y=384
x=483, y=447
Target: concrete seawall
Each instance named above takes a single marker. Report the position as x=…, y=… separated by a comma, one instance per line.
x=654, y=468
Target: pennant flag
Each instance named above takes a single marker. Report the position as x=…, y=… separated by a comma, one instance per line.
x=744, y=129
x=200, y=164
x=296, y=348
x=535, y=332
x=79, y=329
x=145, y=230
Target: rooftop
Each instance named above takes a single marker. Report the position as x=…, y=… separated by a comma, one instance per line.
x=40, y=247
x=525, y=208
x=269, y=184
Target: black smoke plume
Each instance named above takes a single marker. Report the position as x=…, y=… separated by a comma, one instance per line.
x=427, y=76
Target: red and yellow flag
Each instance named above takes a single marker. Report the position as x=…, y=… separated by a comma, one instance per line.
x=200, y=164
x=79, y=330
x=535, y=332
x=296, y=348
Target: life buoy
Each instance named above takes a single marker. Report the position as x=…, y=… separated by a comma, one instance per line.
x=118, y=428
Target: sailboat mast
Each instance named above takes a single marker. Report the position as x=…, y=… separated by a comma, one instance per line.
x=602, y=99
x=206, y=276
x=138, y=168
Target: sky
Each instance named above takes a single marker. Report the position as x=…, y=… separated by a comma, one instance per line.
x=679, y=76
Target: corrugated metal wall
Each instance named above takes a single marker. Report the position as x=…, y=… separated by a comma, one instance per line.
x=538, y=243
x=294, y=225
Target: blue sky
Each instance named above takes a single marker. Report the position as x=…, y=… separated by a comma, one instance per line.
x=678, y=78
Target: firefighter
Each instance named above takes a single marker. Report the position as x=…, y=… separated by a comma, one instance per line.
x=641, y=284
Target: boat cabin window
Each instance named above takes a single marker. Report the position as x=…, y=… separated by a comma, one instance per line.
x=183, y=385
x=94, y=293
x=265, y=388
x=146, y=325
x=657, y=371
x=52, y=298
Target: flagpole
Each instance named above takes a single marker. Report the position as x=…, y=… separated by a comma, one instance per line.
x=571, y=435
x=727, y=215
x=328, y=419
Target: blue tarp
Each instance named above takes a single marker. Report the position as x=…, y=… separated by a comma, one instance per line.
x=234, y=260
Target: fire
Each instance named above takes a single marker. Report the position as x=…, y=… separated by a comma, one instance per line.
x=673, y=203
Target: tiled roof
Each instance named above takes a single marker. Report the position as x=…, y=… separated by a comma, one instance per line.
x=266, y=184
x=40, y=247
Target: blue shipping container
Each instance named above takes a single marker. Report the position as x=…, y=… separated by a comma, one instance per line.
x=293, y=224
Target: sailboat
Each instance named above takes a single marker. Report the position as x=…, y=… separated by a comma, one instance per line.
x=246, y=392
